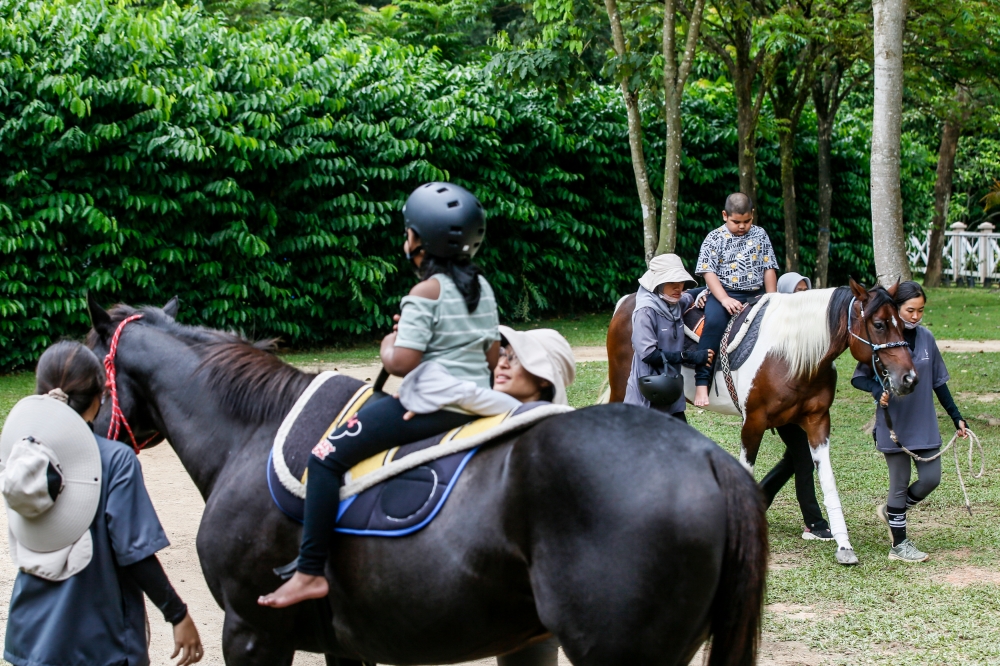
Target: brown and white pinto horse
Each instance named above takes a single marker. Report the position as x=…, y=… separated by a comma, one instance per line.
x=790, y=376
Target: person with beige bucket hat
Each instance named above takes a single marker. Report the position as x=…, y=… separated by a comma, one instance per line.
x=82, y=530
x=658, y=338
x=534, y=365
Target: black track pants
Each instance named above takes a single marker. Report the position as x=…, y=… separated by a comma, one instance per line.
x=796, y=462
x=716, y=320
x=379, y=426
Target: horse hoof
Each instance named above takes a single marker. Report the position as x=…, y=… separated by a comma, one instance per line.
x=846, y=556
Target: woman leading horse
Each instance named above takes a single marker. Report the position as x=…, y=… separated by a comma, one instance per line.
x=789, y=376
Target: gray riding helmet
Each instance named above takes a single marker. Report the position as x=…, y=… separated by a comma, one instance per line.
x=448, y=218
x=661, y=390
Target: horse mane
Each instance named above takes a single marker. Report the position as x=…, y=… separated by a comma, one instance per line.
x=252, y=383
x=791, y=320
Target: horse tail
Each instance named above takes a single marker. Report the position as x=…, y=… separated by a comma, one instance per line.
x=739, y=599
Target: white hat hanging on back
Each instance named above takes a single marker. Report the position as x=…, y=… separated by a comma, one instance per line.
x=545, y=353
x=51, y=483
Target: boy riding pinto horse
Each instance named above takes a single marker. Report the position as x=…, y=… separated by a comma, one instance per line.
x=789, y=376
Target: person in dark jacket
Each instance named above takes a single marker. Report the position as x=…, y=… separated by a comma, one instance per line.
x=914, y=422
x=658, y=329
x=797, y=460
x=84, y=534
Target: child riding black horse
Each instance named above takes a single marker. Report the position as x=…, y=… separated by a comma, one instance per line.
x=449, y=318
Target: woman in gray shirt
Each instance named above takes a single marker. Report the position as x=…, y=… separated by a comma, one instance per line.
x=914, y=421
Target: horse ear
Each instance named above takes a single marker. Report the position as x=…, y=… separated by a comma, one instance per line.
x=99, y=317
x=171, y=308
x=859, y=291
x=893, y=288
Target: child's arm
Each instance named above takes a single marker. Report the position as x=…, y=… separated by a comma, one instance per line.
x=715, y=286
x=770, y=280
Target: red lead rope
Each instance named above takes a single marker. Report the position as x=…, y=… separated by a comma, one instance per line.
x=117, y=416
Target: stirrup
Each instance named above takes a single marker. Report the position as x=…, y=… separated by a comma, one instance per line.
x=287, y=571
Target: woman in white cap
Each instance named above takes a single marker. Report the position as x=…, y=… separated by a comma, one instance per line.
x=534, y=365
x=83, y=531
x=658, y=330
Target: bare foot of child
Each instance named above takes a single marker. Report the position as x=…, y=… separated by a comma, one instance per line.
x=299, y=587
x=701, y=396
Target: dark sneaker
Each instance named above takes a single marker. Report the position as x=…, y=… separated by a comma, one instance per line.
x=817, y=535
x=907, y=552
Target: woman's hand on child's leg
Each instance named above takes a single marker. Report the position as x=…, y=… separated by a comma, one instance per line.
x=187, y=642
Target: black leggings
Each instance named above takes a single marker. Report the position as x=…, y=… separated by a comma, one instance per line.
x=378, y=427
x=716, y=320
x=796, y=462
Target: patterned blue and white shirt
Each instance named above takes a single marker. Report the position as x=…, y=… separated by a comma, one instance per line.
x=738, y=261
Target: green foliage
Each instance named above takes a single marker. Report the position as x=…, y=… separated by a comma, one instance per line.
x=259, y=175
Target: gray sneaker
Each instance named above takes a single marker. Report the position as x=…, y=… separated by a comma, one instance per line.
x=907, y=552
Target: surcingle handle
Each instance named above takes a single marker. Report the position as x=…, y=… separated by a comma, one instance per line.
x=383, y=377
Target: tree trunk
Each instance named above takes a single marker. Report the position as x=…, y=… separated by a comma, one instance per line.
x=746, y=124
x=786, y=148
x=824, y=137
x=950, y=134
x=674, y=79
x=888, y=237
x=646, y=199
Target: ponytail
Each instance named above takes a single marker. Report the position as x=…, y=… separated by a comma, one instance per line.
x=462, y=272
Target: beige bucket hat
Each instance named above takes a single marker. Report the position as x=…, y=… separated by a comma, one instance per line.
x=545, y=353
x=51, y=474
x=665, y=268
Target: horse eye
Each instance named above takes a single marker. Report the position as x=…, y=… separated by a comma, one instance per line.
x=879, y=326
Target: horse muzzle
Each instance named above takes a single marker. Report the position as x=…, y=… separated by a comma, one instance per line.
x=907, y=383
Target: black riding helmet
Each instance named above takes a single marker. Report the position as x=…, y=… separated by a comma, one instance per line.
x=448, y=218
x=661, y=390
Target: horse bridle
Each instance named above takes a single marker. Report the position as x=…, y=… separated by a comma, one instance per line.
x=876, y=361
x=117, y=415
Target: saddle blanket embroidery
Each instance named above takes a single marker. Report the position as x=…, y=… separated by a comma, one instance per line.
x=394, y=493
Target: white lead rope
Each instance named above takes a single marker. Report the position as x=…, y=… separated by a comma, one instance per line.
x=973, y=444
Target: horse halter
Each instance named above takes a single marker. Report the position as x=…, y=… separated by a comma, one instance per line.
x=117, y=416
x=876, y=361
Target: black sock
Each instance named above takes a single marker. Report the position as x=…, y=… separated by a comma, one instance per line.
x=897, y=524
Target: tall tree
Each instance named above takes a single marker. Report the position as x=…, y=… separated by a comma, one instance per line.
x=789, y=93
x=733, y=32
x=843, y=28
x=676, y=68
x=630, y=95
x=642, y=34
x=952, y=69
x=830, y=88
x=888, y=238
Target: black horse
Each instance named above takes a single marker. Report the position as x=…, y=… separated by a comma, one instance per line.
x=625, y=533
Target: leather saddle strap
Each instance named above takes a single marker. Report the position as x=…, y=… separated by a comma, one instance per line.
x=724, y=362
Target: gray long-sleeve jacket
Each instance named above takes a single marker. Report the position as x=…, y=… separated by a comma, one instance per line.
x=655, y=325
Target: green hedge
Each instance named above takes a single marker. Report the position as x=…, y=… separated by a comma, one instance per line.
x=258, y=175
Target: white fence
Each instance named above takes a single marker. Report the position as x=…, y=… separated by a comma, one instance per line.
x=967, y=255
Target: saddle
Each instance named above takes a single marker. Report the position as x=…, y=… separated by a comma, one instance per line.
x=743, y=330
x=396, y=492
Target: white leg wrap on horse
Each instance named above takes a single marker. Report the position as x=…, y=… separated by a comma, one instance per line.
x=743, y=461
x=831, y=499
